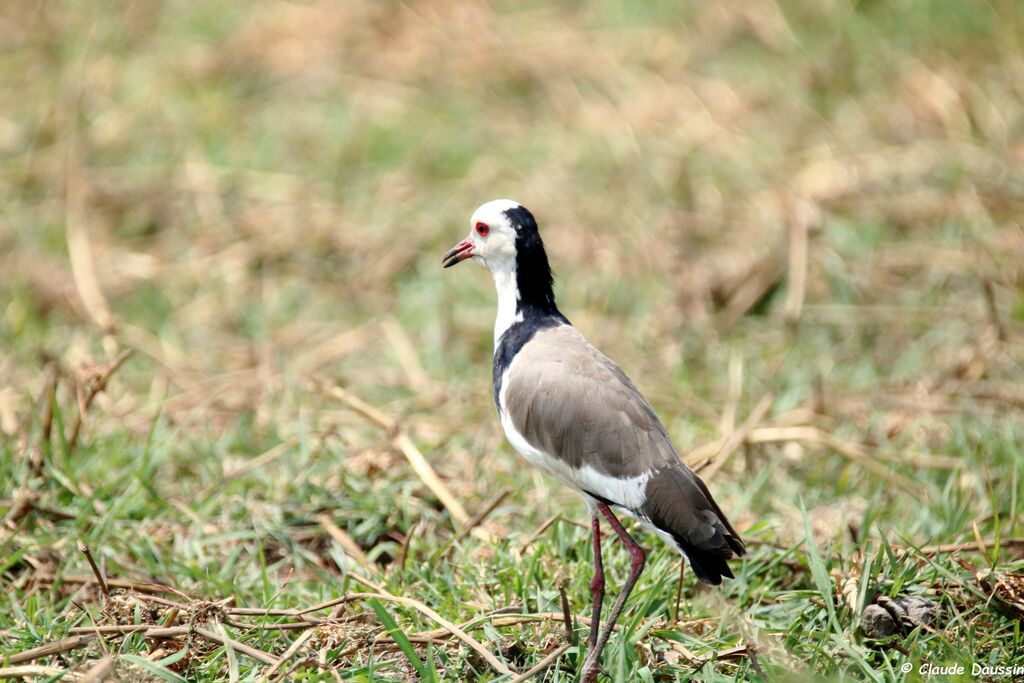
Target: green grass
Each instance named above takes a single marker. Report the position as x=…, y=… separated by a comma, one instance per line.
x=267, y=190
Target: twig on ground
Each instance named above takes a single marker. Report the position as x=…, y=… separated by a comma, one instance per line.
x=102, y=580
x=751, y=286
x=261, y=612
x=286, y=626
x=23, y=503
x=127, y=629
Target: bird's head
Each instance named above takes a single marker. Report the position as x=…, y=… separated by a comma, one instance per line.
x=503, y=236
x=498, y=230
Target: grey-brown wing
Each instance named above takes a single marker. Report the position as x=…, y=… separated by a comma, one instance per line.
x=571, y=401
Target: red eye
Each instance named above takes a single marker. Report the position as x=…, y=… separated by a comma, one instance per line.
x=482, y=229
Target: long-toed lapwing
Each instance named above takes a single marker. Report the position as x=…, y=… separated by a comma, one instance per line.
x=571, y=411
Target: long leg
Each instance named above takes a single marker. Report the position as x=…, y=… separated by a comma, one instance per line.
x=596, y=583
x=636, y=566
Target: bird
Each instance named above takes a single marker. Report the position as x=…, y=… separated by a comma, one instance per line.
x=571, y=411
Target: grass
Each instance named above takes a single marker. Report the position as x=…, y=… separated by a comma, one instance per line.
x=252, y=200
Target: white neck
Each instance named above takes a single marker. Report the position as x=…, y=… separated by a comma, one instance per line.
x=508, y=301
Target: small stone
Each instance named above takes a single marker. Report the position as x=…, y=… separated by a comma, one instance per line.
x=920, y=610
x=876, y=622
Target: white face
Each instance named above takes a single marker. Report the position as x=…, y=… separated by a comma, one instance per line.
x=492, y=235
x=491, y=241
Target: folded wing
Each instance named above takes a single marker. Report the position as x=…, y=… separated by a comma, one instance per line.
x=572, y=402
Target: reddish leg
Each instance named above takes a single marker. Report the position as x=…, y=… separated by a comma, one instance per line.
x=596, y=583
x=636, y=566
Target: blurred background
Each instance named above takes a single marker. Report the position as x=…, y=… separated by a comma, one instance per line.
x=795, y=222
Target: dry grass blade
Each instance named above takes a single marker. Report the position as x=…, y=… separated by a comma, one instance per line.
x=852, y=451
x=417, y=377
x=120, y=628
x=735, y=439
x=288, y=654
x=406, y=447
x=498, y=620
x=801, y=216
x=83, y=267
x=856, y=454
x=471, y=525
x=727, y=422
x=993, y=310
x=540, y=666
x=448, y=626
x=89, y=633
x=749, y=289
x=260, y=461
x=347, y=543
x=982, y=548
x=259, y=655
x=942, y=548
x=699, y=661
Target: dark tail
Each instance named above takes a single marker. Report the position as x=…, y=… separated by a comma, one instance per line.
x=680, y=504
